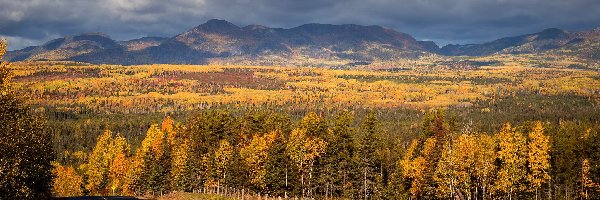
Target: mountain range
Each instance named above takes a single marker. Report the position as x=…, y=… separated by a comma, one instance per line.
x=219, y=39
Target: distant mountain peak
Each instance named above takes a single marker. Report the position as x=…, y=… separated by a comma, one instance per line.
x=217, y=21
x=97, y=37
x=553, y=30
x=335, y=26
x=217, y=25
x=67, y=47
x=552, y=33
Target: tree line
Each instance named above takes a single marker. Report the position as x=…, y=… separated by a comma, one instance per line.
x=338, y=156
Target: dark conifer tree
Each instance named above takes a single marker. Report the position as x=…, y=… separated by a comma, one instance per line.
x=368, y=160
x=25, y=145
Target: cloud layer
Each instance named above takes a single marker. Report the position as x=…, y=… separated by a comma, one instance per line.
x=31, y=22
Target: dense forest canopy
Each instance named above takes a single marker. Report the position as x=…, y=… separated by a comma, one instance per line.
x=338, y=155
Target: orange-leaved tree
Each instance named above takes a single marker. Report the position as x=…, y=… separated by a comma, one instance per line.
x=66, y=182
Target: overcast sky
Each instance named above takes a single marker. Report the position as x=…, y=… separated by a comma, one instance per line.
x=33, y=22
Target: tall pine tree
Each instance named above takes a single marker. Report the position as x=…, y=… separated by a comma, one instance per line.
x=337, y=165
x=368, y=161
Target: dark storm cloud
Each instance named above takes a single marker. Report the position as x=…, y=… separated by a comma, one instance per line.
x=31, y=22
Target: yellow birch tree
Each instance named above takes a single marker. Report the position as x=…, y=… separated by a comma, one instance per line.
x=222, y=158
x=303, y=149
x=538, y=157
x=484, y=166
x=98, y=164
x=181, y=166
x=256, y=155
x=512, y=155
x=66, y=182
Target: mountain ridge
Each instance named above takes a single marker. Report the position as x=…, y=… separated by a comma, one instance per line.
x=547, y=39
x=220, y=39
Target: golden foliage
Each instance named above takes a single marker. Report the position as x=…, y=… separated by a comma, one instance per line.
x=256, y=155
x=303, y=149
x=538, y=157
x=120, y=89
x=66, y=182
x=118, y=172
x=586, y=181
x=484, y=166
x=151, y=143
x=405, y=163
x=167, y=124
x=98, y=163
x=417, y=169
x=455, y=168
x=223, y=156
x=180, y=171
x=3, y=47
x=102, y=170
x=512, y=155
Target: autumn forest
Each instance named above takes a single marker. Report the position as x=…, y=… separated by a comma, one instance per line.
x=490, y=127
x=300, y=100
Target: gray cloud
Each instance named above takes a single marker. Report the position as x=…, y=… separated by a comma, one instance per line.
x=31, y=22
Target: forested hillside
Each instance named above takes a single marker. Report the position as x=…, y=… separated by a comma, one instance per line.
x=341, y=156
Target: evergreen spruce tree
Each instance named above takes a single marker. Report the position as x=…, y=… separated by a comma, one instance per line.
x=280, y=177
x=337, y=167
x=368, y=161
